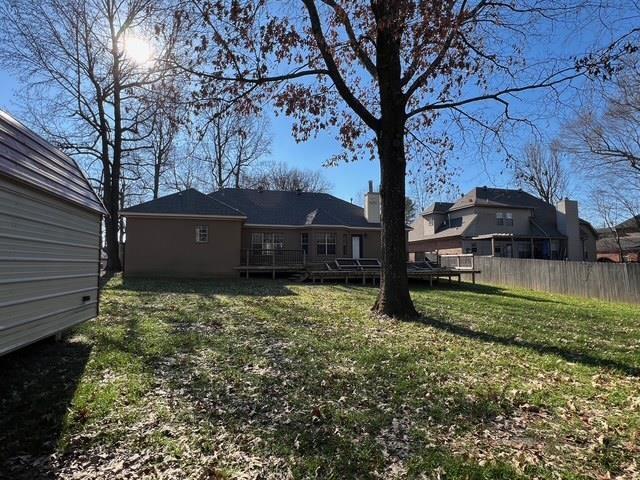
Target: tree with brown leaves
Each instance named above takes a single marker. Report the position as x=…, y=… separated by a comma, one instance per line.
x=383, y=75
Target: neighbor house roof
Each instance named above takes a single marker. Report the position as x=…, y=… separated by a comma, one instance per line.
x=438, y=207
x=630, y=224
x=187, y=202
x=629, y=243
x=28, y=159
x=456, y=228
x=275, y=207
x=499, y=197
x=589, y=226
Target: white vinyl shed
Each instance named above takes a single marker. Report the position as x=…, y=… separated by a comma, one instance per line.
x=50, y=230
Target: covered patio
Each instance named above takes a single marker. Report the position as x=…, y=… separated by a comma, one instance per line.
x=514, y=246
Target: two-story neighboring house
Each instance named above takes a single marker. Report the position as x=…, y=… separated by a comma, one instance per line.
x=503, y=223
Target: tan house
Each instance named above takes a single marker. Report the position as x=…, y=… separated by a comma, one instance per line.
x=503, y=223
x=190, y=234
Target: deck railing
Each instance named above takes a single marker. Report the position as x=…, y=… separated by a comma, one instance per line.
x=464, y=261
x=273, y=257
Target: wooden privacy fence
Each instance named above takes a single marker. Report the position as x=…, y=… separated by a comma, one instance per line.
x=605, y=281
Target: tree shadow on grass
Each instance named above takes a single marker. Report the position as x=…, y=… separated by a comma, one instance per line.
x=286, y=393
x=545, y=349
x=482, y=290
x=249, y=287
x=37, y=386
x=331, y=431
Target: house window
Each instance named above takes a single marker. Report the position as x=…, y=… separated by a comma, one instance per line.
x=503, y=218
x=304, y=242
x=472, y=249
x=508, y=219
x=326, y=244
x=202, y=234
x=266, y=242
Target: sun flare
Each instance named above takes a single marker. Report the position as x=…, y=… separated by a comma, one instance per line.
x=138, y=50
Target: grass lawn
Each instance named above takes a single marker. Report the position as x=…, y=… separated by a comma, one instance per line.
x=262, y=379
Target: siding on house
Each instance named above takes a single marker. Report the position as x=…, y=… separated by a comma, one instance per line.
x=166, y=246
x=49, y=250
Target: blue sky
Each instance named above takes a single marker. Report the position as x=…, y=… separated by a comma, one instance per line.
x=349, y=180
x=471, y=165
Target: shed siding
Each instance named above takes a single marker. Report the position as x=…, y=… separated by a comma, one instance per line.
x=27, y=158
x=48, y=264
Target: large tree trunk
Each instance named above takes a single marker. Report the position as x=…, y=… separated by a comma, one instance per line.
x=393, y=299
x=111, y=202
x=113, y=187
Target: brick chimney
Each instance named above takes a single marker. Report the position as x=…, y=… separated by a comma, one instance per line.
x=372, y=205
x=569, y=225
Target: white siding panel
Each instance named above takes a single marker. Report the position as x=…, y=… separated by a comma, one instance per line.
x=17, y=270
x=48, y=265
x=12, y=292
x=45, y=327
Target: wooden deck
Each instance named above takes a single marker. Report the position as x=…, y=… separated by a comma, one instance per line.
x=365, y=270
x=273, y=269
x=359, y=276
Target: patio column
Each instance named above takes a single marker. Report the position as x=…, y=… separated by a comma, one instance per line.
x=531, y=239
x=493, y=247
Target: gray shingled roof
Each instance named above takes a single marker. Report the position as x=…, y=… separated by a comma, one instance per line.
x=265, y=207
x=187, y=202
x=630, y=243
x=499, y=197
x=270, y=207
x=437, y=207
x=632, y=223
x=27, y=158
